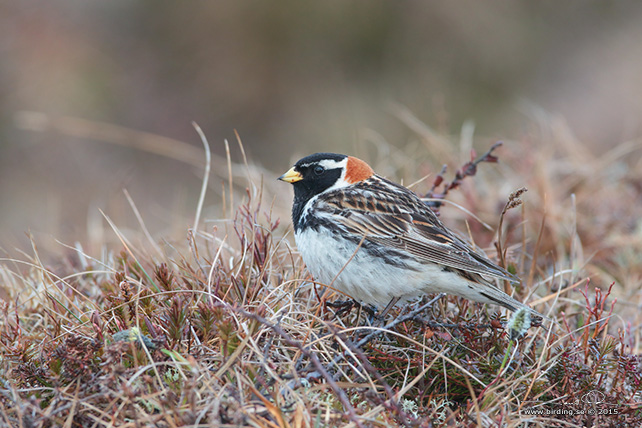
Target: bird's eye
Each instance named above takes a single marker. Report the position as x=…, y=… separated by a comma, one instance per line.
x=318, y=170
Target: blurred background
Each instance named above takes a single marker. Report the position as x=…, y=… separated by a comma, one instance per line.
x=84, y=83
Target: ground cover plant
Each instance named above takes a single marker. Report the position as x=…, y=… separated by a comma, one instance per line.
x=225, y=328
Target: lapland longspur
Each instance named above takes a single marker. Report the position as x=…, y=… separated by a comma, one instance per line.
x=378, y=242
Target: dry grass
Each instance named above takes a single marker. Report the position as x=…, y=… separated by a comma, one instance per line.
x=228, y=330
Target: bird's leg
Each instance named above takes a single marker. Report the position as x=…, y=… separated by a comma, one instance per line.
x=392, y=303
x=377, y=319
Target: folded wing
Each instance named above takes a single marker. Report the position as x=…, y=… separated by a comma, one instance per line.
x=402, y=221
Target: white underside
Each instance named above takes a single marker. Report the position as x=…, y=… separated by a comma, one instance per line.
x=344, y=267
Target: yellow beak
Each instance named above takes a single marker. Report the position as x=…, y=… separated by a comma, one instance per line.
x=291, y=176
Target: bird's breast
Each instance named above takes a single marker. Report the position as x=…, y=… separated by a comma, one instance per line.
x=353, y=267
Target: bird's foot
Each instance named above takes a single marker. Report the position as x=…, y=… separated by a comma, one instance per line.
x=343, y=307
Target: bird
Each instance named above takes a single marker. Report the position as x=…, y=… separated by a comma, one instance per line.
x=377, y=242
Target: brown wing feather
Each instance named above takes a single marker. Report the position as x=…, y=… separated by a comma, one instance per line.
x=402, y=221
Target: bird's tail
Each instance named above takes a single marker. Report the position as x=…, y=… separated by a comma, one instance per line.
x=498, y=297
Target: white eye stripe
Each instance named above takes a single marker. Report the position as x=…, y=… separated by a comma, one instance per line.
x=327, y=164
x=332, y=164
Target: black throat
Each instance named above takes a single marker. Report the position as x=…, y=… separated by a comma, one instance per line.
x=305, y=190
x=316, y=176
x=297, y=212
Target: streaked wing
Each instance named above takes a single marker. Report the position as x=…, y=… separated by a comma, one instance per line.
x=395, y=217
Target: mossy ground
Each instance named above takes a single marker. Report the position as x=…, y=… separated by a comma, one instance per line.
x=227, y=329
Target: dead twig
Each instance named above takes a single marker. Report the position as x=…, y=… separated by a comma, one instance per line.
x=469, y=169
